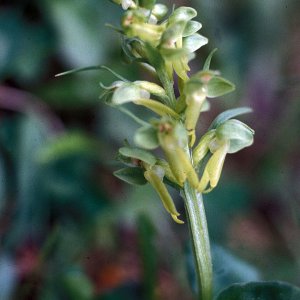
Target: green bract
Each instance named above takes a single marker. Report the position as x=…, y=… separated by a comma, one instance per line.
x=138, y=154
x=133, y=176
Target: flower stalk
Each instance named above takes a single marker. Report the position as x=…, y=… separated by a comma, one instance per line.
x=200, y=240
x=165, y=45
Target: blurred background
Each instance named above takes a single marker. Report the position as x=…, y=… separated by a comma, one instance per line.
x=68, y=228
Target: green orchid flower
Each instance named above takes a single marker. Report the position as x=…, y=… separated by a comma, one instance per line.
x=229, y=137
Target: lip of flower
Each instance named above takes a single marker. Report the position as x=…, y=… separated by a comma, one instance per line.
x=229, y=137
x=213, y=169
x=155, y=177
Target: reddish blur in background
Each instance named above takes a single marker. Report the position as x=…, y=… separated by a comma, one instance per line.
x=68, y=228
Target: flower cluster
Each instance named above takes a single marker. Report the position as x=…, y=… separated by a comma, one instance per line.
x=166, y=45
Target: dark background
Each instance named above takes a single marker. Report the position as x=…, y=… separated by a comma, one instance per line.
x=68, y=228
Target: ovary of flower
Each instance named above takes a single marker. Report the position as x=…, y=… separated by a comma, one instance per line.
x=202, y=148
x=213, y=169
x=194, y=103
x=178, y=160
x=157, y=183
x=157, y=107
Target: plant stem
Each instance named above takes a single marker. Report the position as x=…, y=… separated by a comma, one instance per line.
x=200, y=240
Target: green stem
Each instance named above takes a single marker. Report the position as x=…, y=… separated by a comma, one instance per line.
x=200, y=240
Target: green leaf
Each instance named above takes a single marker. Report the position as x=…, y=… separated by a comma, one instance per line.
x=218, y=86
x=182, y=14
x=229, y=114
x=268, y=290
x=133, y=176
x=146, y=137
x=208, y=60
x=147, y=234
x=230, y=269
x=78, y=285
x=193, y=42
x=239, y=134
x=191, y=27
x=139, y=154
x=65, y=145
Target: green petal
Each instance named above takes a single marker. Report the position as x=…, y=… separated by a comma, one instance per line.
x=219, y=86
x=146, y=137
x=182, y=14
x=191, y=27
x=237, y=133
x=193, y=42
x=229, y=114
x=128, y=92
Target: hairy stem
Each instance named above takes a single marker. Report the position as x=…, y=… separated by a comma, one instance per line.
x=200, y=240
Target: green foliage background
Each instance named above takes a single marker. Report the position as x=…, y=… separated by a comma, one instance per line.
x=68, y=228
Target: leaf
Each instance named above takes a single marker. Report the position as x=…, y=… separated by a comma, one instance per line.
x=191, y=27
x=66, y=145
x=218, y=86
x=239, y=134
x=208, y=60
x=263, y=290
x=227, y=269
x=228, y=114
x=146, y=137
x=139, y=154
x=193, y=42
x=230, y=269
x=133, y=176
x=77, y=285
x=149, y=258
